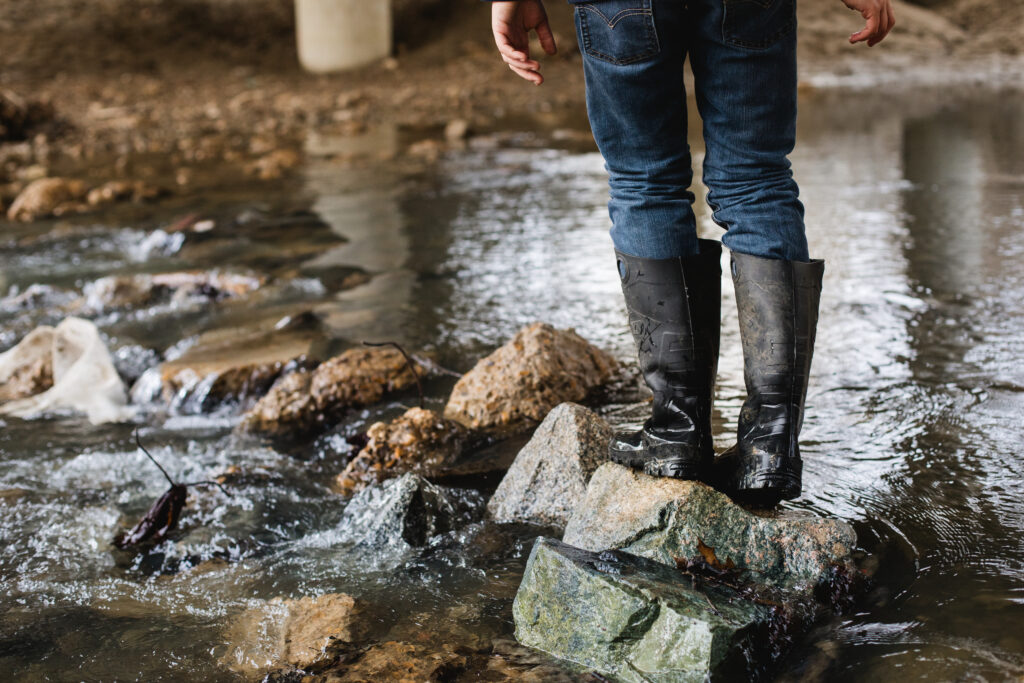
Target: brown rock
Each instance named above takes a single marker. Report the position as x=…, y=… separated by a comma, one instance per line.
x=273, y=165
x=27, y=369
x=419, y=441
x=357, y=377
x=236, y=363
x=119, y=190
x=400, y=663
x=46, y=197
x=521, y=381
x=300, y=633
x=143, y=289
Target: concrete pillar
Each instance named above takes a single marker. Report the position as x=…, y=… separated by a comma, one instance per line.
x=341, y=34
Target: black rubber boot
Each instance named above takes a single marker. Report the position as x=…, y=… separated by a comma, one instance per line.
x=777, y=302
x=674, y=310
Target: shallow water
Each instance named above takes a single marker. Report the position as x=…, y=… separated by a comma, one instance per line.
x=912, y=434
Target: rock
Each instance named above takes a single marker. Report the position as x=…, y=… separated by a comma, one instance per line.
x=235, y=364
x=84, y=377
x=418, y=441
x=119, y=190
x=300, y=633
x=37, y=296
x=45, y=197
x=143, y=289
x=407, y=512
x=549, y=476
x=401, y=662
x=522, y=380
x=668, y=520
x=273, y=165
x=300, y=403
x=27, y=369
x=456, y=129
x=634, y=619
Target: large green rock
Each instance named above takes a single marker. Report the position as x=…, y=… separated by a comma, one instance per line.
x=634, y=619
x=669, y=520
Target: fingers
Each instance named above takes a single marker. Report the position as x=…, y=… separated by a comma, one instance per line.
x=528, y=74
x=869, y=31
x=546, y=37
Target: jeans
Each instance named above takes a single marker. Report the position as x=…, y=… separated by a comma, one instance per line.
x=743, y=56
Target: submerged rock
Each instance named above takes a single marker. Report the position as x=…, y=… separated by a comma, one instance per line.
x=549, y=476
x=83, y=375
x=144, y=289
x=515, y=387
x=398, y=661
x=300, y=633
x=671, y=520
x=311, y=400
x=632, y=618
x=407, y=512
x=47, y=197
x=418, y=441
x=235, y=364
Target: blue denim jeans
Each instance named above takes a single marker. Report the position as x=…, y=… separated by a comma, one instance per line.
x=743, y=56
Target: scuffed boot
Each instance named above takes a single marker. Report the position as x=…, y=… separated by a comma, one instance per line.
x=674, y=310
x=777, y=302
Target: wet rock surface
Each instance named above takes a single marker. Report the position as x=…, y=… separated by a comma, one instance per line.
x=419, y=440
x=47, y=197
x=632, y=618
x=515, y=386
x=308, y=400
x=27, y=369
x=406, y=512
x=235, y=364
x=549, y=476
x=398, y=661
x=669, y=520
x=300, y=633
x=140, y=290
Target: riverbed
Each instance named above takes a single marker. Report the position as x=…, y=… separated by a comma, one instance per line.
x=912, y=433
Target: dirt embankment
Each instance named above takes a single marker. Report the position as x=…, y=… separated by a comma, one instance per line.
x=155, y=90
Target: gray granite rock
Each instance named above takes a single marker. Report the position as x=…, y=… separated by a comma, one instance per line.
x=668, y=520
x=549, y=475
x=634, y=619
x=406, y=512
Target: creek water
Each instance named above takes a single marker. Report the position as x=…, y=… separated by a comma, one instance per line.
x=913, y=430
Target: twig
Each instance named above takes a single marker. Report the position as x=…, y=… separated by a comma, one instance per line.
x=408, y=361
x=150, y=456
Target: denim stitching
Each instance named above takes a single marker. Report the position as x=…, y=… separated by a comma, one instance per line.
x=652, y=36
x=619, y=16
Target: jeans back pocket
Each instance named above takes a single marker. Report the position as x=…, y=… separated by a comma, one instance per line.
x=757, y=24
x=616, y=31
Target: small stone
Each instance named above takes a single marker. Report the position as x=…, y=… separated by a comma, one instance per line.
x=418, y=441
x=517, y=385
x=300, y=633
x=632, y=618
x=274, y=165
x=314, y=400
x=46, y=197
x=549, y=476
x=406, y=512
x=668, y=520
x=456, y=129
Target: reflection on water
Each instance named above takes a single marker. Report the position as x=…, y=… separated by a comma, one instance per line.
x=912, y=432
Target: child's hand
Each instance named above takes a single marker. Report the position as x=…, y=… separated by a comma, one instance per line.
x=511, y=22
x=879, y=17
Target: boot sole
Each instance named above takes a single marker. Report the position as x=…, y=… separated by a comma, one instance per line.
x=675, y=468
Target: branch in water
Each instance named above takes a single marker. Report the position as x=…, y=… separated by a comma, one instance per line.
x=408, y=361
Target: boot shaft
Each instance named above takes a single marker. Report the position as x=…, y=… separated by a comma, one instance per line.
x=777, y=302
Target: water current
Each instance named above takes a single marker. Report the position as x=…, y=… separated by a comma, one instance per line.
x=913, y=431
